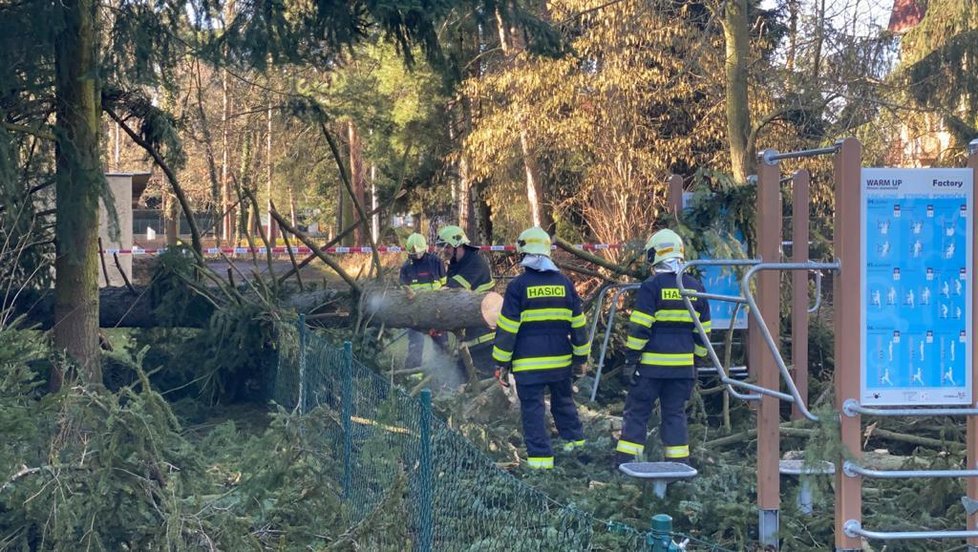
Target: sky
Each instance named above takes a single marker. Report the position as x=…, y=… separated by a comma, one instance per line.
x=870, y=14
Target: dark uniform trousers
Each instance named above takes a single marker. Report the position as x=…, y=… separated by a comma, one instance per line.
x=672, y=395
x=533, y=414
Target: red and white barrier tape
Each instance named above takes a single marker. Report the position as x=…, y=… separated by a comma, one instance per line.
x=281, y=250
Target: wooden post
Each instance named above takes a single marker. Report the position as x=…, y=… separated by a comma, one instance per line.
x=799, y=286
x=764, y=368
x=675, y=198
x=972, y=439
x=847, y=302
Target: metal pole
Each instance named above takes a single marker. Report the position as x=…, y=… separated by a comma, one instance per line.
x=799, y=287
x=771, y=156
x=762, y=365
x=972, y=424
x=852, y=469
x=848, y=346
x=661, y=534
x=607, y=335
x=303, y=339
x=854, y=529
x=426, y=507
x=347, y=417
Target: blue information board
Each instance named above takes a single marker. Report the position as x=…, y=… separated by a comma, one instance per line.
x=916, y=293
x=723, y=281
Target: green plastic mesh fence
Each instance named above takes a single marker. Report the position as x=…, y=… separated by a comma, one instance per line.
x=410, y=482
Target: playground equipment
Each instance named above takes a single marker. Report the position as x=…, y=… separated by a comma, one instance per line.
x=659, y=473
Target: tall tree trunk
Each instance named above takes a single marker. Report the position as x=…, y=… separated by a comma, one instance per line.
x=205, y=129
x=793, y=8
x=171, y=218
x=78, y=181
x=466, y=209
x=819, y=41
x=272, y=226
x=357, y=176
x=347, y=214
x=512, y=44
x=227, y=224
x=735, y=33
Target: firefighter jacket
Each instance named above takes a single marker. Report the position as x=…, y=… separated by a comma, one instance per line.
x=472, y=273
x=426, y=273
x=661, y=336
x=541, y=329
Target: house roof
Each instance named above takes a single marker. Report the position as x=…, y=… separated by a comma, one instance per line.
x=906, y=15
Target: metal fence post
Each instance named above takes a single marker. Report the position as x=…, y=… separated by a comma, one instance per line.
x=661, y=536
x=303, y=341
x=426, y=520
x=347, y=415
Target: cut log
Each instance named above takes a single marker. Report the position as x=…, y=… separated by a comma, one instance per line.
x=447, y=309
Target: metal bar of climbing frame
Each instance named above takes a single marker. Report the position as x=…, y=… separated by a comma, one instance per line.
x=710, y=351
x=599, y=304
x=853, y=470
x=766, y=333
x=851, y=407
x=853, y=528
x=607, y=335
x=771, y=156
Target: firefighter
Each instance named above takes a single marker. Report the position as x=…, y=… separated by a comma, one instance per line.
x=540, y=335
x=662, y=341
x=468, y=269
x=422, y=271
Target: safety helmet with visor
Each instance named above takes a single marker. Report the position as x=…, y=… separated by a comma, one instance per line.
x=534, y=241
x=664, y=245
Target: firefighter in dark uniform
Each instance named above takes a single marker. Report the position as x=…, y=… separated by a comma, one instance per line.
x=422, y=271
x=540, y=335
x=468, y=269
x=662, y=341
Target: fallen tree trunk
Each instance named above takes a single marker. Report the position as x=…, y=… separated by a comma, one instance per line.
x=447, y=309
x=121, y=308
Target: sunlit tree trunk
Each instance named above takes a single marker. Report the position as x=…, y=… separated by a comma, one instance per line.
x=226, y=193
x=272, y=225
x=78, y=180
x=357, y=180
x=735, y=32
x=536, y=193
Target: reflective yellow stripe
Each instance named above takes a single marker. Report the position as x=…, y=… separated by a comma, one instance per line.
x=680, y=451
x=708, y=325
x=569, y=446
x=501, y=355
x=582, y=350
x=699, y=350
x=629, y=447
x=635, y=343
x=465, y=283
x=540, y=462
x=642, y=319
x=578, y=321
x=668, y=359
x=545, y=315
x=443, y=281
x=541, y=363
x=507, y=324
x=480, y=340
x=673, y=315
x=486, y=286
x=428, y=285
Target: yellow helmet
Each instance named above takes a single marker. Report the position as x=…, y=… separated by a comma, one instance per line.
x=452, y=235
x=664, y=244
x=416, y=243
x=534, y=241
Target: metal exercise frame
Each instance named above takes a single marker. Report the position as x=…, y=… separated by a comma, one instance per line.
x=755, y=312
x=622, y=288
x=711, y=352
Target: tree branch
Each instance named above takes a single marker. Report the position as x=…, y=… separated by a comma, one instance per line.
x=569, y=247
x=24, y=129
x=170, y=175
x=316, y=250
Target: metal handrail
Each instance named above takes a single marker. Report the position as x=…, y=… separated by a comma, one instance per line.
x=607, y=335
x=769, y=156
x=851, y=407
x=853, y=469
x=599, y=304
x=711, y=352
x=853, y=528
x=766, y=333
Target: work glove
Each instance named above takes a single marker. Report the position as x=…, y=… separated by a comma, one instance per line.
x=502, y=375
x=628, y=373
